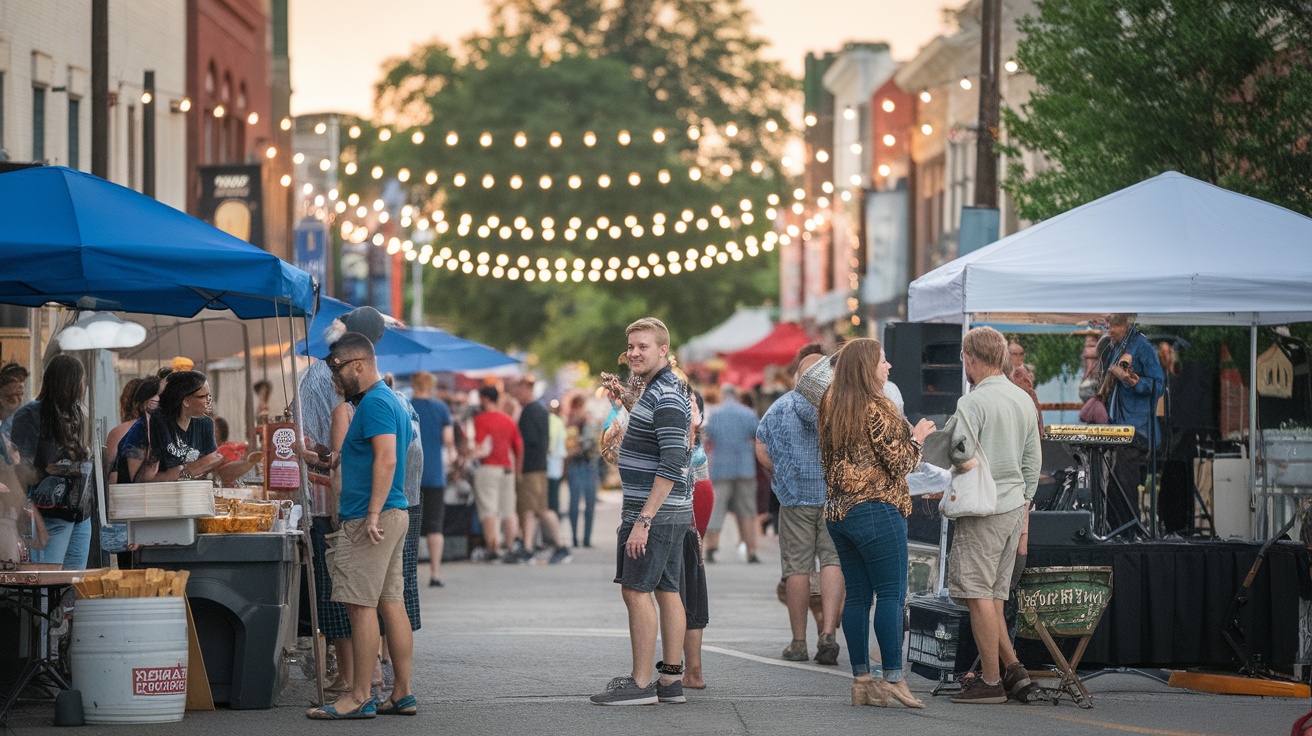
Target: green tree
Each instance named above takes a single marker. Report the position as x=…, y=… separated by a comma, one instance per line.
x=1126, y=89
x=521, y=80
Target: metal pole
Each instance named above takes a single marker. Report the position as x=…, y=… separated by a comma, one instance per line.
x=1260, y=511
x=148, y=135
x=416, y=294
x=100, y=88
x=986, y=160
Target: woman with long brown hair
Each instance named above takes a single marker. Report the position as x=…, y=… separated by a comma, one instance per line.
x=49, y=436
x=867, y=449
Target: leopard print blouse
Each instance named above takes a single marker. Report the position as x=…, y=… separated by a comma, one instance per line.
x=874, y=470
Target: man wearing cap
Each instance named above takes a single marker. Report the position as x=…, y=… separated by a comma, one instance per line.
x=367, y=559
x=531, y=484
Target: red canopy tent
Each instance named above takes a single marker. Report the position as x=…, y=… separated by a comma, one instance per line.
x=746, y=368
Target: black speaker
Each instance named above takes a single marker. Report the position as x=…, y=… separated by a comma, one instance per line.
x=1059, y=528
x=926, y=362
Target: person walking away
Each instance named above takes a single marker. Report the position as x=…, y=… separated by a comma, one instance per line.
x=867, y=449
x=581, y=473
x=498, y=447
x=531, y=482
x=437, y=434
x=984, y=548
x=731, y=447
x=656, y=512
x=788, y=444
x=366, y=560
x=48, y=435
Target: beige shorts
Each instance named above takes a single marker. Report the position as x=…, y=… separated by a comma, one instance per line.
x=803, y=537
x=531, y=493
x=736, y=495
x=494, y=491
x=983, y=555
x=364, y=573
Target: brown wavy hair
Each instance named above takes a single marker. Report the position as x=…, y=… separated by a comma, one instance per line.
x=62, y=418
x=845, y=408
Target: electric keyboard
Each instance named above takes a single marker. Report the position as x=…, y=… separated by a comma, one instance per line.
x=1089, y=434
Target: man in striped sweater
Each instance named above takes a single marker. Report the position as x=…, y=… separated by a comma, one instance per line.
x=653, y=464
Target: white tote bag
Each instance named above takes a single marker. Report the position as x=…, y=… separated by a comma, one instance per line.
x=972, y=493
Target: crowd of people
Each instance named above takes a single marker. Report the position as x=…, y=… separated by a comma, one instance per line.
x=828, y=473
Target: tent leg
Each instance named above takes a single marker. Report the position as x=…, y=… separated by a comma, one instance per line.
x=1259, y=501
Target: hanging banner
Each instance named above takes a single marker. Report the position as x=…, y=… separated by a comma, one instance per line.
x=232, y=199
x=313, y=247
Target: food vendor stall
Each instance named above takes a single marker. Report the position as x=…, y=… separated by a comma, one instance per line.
x=74, y=240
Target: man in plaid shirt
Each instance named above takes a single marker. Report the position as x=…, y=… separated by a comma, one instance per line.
x=788, y=444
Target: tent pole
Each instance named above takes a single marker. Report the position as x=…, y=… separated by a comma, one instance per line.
x=1261, y=512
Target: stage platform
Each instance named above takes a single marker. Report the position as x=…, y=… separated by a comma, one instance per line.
x=1170, y=600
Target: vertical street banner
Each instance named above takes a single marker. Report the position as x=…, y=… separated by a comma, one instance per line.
x=232, y=199
x=312, y=253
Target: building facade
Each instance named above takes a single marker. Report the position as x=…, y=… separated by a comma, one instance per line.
x=45, y=88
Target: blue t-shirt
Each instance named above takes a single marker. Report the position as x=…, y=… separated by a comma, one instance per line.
x=379, y=413
x=434, y=417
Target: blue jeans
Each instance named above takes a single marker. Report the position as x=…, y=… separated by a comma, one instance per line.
x=582, y=478
x=69, y=544
x=872, y=549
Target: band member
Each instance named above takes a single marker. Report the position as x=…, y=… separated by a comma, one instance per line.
x=1132, y=387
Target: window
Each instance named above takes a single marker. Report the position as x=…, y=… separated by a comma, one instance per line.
x=38, y=123
x=74, y=131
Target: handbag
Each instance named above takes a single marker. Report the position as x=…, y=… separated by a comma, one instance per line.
x=61, y=492
x=972, y=493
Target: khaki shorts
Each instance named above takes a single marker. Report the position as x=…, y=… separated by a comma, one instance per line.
x=494, y=491
x=364, y=573
x=803, y=537
x=531, y=493
x=983, y=555
x=737, y=495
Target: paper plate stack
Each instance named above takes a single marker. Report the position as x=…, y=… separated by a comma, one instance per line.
x=166, y=500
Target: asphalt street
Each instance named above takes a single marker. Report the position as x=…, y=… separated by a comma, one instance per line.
x=519, y=648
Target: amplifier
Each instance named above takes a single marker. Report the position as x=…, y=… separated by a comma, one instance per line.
x=1057, y=528
x=941, y=643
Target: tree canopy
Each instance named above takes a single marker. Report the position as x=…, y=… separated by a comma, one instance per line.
x=1126, y=89
x=689, y=70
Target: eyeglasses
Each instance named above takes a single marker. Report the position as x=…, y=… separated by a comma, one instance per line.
x=337, y=368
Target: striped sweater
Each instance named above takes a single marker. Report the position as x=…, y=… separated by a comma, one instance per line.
x=656, y=444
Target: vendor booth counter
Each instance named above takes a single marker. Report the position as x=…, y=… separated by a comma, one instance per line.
x=244, y=598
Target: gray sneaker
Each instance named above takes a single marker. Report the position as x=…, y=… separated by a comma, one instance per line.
x=625, y=691
x=671, y=693
x=560, y=556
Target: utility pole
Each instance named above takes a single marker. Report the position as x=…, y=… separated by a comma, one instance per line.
x=986, y=158
x=148, y=134
x=100, y=88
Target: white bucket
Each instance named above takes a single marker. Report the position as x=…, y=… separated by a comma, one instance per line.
x=129, y=659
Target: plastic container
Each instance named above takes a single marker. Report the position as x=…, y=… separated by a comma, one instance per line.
x=165, y=500
x=129, y=659
x=162, y=531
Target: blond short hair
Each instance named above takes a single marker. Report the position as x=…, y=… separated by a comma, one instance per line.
x=423, y=381
x=653, y=325
x=987, y=346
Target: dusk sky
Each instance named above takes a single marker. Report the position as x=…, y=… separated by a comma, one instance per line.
x=338, y=46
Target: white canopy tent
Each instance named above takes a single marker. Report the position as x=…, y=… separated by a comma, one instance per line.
x=1173, y=249
x=743, y=328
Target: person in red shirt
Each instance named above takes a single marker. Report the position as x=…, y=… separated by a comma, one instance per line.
x=500, y=449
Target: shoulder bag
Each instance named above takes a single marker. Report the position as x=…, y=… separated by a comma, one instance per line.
x=972, y=493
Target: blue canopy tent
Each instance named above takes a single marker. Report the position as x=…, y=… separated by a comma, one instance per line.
x=74, y=239
x=395, y=340
x=448, y=354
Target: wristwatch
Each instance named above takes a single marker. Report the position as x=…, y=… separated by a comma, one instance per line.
x=645, y=521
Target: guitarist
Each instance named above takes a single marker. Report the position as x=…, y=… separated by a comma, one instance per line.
x=1133, y=384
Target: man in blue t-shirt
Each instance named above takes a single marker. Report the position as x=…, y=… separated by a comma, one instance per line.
x=437, y=435
x=366, y=564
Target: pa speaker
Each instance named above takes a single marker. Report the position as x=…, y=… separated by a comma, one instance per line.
x=927, y=368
